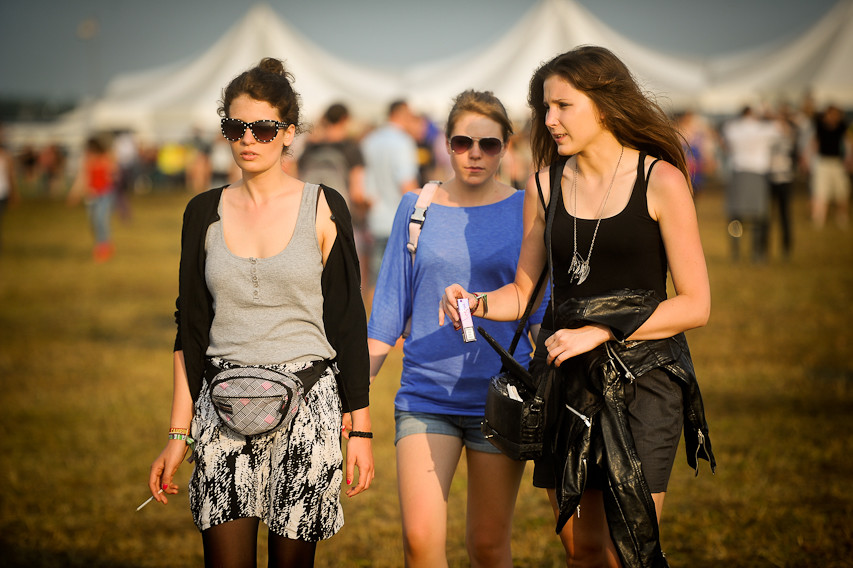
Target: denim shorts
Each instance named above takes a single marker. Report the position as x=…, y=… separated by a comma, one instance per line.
x=467, y=428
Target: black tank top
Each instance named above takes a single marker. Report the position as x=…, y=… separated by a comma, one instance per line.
x=628, y=251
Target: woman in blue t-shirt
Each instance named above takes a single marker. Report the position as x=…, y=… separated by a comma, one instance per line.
x=473, y=228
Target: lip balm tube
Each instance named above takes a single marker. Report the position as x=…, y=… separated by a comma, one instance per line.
x=467, y=324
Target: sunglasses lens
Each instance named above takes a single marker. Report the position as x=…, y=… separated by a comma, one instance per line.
x=491, y=146
x=460, y=144
x=264, y=130
x=233, y=129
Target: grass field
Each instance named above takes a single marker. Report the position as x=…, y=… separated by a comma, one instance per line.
x=85, y=366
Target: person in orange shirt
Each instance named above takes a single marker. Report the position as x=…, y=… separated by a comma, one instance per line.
x=95, y=184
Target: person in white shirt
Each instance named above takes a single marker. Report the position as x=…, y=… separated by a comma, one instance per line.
x=749, y=142
x=391, y=171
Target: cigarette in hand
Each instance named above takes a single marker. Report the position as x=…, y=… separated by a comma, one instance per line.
x=148, y=500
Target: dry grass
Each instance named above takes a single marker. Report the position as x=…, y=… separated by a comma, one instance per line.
x=86, y=383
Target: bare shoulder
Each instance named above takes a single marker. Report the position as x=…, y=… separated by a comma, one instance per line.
x=667, y=188
x=665, y=176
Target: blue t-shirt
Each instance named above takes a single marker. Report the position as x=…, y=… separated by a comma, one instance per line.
x=477, y=247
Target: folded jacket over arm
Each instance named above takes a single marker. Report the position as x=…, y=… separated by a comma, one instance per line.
x=592, y=384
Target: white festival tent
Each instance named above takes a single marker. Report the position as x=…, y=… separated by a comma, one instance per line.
x=167, y=102
x=551, y=27
x=818, y=62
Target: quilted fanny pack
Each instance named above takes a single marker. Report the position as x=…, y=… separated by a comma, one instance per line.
x=259, y=400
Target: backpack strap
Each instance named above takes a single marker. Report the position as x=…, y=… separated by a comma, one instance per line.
x=418, y=217
x=416, y=223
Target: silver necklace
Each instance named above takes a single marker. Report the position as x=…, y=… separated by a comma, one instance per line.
x=579, y=268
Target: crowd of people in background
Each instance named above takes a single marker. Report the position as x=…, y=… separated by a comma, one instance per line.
x=761, y=158
x=767, y=150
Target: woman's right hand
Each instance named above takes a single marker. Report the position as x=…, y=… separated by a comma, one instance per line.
x=164, y=468
x=449, y=307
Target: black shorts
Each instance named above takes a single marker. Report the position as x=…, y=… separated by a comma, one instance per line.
x=655, y=417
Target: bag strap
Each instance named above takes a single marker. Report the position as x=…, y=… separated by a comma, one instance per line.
x=416, y=223
x=555, y=172
x=310, y=375
x=529, y=308
x=541, y=196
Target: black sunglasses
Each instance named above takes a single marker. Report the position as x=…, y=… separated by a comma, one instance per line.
x=490, y=146
x=264, y=131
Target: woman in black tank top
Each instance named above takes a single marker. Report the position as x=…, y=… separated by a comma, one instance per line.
x=624, y=217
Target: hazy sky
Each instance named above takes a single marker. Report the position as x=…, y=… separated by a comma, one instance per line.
x=43, y=55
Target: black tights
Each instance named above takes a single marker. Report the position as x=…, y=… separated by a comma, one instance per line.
x=235, y=545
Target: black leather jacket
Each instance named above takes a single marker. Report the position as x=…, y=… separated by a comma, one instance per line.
x=595, y=429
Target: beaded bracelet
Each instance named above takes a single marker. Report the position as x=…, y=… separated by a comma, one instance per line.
x=185, y=437
x=177, y=436
x=358, y=434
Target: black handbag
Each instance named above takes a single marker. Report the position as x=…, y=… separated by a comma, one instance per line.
x=514, y=420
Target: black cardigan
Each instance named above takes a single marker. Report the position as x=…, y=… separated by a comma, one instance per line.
x=344, y=317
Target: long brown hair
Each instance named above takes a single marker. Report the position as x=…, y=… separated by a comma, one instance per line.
x=634, y=119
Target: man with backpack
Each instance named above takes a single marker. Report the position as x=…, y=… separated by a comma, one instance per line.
x=332, y=157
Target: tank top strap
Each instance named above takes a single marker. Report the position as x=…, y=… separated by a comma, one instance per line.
x=648, y=172
x=308, y=205
x=305, y=230
x=641, y=185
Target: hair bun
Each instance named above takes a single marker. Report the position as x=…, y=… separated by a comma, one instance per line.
x=272, y=65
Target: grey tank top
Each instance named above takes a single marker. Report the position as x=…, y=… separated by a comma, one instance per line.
x=268, y=310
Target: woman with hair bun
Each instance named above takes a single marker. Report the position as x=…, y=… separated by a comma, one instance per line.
x=269, y=280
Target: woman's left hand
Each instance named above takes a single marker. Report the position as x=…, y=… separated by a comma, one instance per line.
x=346, y=424
x=567, y=343
x=359, y=456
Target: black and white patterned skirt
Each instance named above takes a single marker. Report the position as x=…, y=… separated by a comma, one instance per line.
x=290, y=479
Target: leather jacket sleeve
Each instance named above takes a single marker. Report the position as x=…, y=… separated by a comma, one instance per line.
x=623, y=311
